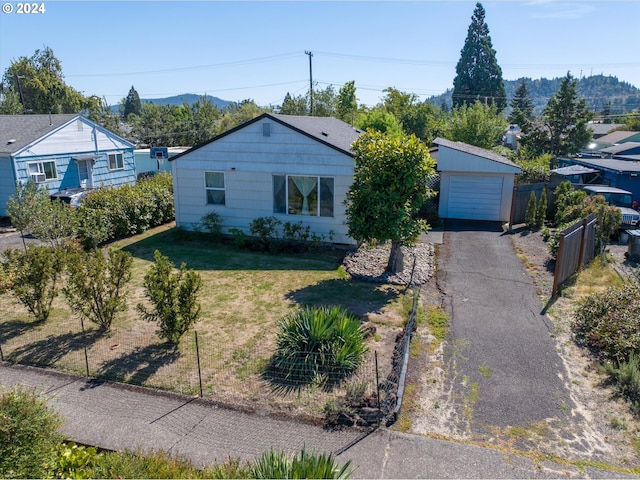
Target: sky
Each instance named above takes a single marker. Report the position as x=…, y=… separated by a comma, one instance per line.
x=258, y=50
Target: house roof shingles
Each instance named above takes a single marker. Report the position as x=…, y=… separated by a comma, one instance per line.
x=619, y=166
x=473, y=150
x=18, y=131
x=328, y=130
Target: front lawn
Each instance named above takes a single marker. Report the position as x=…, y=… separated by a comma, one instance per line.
x=244, y=295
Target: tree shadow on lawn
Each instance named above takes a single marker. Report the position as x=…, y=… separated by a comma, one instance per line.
x=15, y=328
x=138, y=366
x=357, y=297
x=200, y=253
x=50, y=350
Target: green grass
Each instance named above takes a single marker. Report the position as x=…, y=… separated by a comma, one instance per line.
x=243, y=296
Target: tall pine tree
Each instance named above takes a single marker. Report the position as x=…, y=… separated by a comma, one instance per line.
x=132, y=104
x=478, y=75
x=521, y=106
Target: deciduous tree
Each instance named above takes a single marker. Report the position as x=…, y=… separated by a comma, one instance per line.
x=389, y=188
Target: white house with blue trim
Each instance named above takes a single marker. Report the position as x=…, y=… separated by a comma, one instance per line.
x=295, y=168
x=66, y=153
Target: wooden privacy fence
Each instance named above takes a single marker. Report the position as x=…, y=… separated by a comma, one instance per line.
x=576, y=249
x=520, y=200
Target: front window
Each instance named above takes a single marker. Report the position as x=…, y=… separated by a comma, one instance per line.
x=214, y=187
x=303, y=195
x=116, y=161
x=42, y=171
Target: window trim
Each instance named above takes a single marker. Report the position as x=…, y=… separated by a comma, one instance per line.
x=222, y=189
x=109, y=155
x=318, y=178
x=41, y=169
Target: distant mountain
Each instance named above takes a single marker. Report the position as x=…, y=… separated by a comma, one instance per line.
x=598, y=90
x=177, y=100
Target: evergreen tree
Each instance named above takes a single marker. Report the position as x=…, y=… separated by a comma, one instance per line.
x=521, y=107
x=541, y=213
x=478, y=75
x=132, y=104
x=347, y=103
x=567, y=118
x=294, y=105
x=530, y=213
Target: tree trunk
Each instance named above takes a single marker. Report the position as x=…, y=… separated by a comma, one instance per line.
x=396, y=258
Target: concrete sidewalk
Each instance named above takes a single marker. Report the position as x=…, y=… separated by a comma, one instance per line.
x=119, y=417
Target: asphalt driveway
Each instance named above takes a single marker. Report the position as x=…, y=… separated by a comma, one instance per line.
x=502, y=363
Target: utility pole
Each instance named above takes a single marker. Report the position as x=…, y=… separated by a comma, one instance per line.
x=310, y=83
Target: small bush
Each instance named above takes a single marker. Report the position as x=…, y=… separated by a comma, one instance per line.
x=212, y=224
x=627, y=376
x=28, y=434
x=74, y=461
x=530, y=213
x=323, y=344
x=608, y=322
x=541, y=211
x=279, y=464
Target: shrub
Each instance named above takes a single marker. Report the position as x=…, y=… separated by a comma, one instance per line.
x=266, y=231
x=212, y=224
x=95, y=288
x=279, y=464
x=627, y=376
x=35, y=275
x=173, y=296
x=74, y=461
x=323, y=344
x=530, y=213
x=541, y=212
x=28, y=434
x=608, y=322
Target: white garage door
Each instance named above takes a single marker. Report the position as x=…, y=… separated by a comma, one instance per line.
x=475, y=197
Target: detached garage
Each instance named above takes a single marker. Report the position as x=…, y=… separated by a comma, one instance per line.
x=475, y=183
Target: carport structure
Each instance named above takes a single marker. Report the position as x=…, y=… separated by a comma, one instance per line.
x=475, y=183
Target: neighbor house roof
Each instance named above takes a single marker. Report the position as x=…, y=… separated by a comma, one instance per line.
x=573, y=170
x=473, y=150
x=601, y=129
x=621, y=148
x=18, y=131
x=619, y=136
x=327, y=130
x=612, y=164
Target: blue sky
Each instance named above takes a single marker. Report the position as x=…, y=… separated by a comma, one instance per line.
x=238, y=50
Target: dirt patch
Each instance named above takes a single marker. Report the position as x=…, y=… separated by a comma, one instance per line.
x=601, y=427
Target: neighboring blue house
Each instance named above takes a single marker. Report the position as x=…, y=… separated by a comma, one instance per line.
x=153, y=160
x=66, y=153
x=615, y=172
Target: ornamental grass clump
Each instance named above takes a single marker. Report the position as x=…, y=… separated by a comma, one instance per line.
x=317, y=345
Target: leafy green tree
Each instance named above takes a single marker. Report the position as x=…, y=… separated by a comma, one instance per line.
x=389, y=188
x=324, y=102
x=294, y=105
x=102, y=114
x=96, y=285
x=237, y=114
x=347, y=103
x=203, y=121
x=132, y=104
x=521, y=107
x=380, y=121
x=23, y=205
x=29, y=434
x=478, y=75
x=39, y=82
x=174, y=298
x=36, y=273
x=567, y=117
x=418, y=118
x=477, y=124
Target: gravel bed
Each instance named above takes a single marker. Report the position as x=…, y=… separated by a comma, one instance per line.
x=369, y=263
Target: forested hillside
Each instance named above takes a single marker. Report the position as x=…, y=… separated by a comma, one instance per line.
x=600, y=91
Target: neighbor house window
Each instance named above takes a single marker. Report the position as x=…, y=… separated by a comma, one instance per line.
x=303, y=195
x=42, y=171
x=214, y=186
x=116, y=161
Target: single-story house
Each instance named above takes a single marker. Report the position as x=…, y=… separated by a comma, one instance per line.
x=155, y=159
x=600, y=129
x=611, y=139
x=66, y=153
x=624, y=174
x=475, y=183
x=295, y=168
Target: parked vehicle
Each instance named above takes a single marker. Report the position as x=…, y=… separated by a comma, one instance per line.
x=620, y=198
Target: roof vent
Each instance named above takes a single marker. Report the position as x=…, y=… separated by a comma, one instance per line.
x=325, y=134
x=11, y=140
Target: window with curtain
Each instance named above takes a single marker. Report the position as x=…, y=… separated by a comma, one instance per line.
x=303, y=195
x=214, y=187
